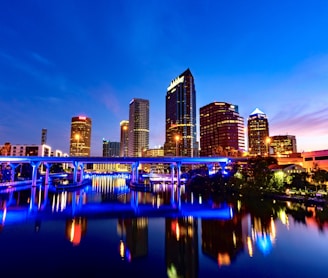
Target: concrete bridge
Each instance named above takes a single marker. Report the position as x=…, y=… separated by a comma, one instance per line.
x=79, y=162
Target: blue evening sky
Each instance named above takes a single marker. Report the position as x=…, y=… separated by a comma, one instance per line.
x=64, y=58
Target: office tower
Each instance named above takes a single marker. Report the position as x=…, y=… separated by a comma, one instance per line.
x=138, y=127
x=111, y=149
x=80, y=140
x=282, y=145
x=124, y=138
x=180, y=117
x=221, y=130
x=44, y=136
x=105, y=148
x=258, y=133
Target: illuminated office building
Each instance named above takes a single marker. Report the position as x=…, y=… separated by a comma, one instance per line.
x=180, y=117
x=221, y=130
x=282, y=145
x=258, y=133
x=111, y=149
x=124, y=138
x=80, y=140
x=138, y=127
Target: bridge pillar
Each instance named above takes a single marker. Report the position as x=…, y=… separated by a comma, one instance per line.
x=178, y=172
x=81, y=172
x=76, y=168
x=35, y=165
x=172, y=166
x=46, y=178
x=13, y=166
x=135, y=172
x=32, y=199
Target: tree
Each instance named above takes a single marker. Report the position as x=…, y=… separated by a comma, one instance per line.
x=258, y=173
x=300, y=180
x=320, y=176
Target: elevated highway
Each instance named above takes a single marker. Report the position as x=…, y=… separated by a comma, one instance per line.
x=79, y=162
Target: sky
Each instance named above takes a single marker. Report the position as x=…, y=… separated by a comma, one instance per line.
x=65, y=58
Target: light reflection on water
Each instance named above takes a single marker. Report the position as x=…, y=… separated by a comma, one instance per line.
x=106, y=228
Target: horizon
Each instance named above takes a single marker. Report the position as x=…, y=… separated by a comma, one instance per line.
x=59, y=60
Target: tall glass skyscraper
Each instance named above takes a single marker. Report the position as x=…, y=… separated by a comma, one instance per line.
x=258, y=133
x=138, y=127
x=180, y=118
x=124, y=138
x=221, y=130
x=80, y=140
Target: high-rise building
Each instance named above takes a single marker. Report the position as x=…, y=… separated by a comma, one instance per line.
x=258, y=133
x=80, y=140
x=111, y=149
x=180, y=117
x=138, y=127
x=282, y=145
x=44, y=136
x=221, y=130
x=124, y=138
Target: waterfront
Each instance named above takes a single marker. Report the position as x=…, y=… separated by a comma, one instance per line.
x=106, y=230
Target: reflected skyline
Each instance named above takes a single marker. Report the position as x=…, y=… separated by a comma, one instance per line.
x=184, y=244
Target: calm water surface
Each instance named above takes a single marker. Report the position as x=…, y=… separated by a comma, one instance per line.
x=106, y=230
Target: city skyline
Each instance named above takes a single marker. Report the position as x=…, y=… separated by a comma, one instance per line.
x=59, y=60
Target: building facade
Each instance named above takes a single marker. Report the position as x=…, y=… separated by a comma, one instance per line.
x=314, y=160
x=124, y=138
x=258, y=133
x=180, y=117
x=221, y=130
x=111, y=149
x=138, y=127
x=30, y=150
x=282, y=145
x=80, y=139
x=158, y=152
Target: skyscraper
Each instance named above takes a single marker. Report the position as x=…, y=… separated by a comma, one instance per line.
x=124, y=138
x=221, y=130
x=258, y=133
x=44, y=136
x=80, y=140
x=180, y=118
x=138, y=127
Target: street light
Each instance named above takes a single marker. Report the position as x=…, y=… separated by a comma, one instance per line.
x=77, y=138
x=177, y=139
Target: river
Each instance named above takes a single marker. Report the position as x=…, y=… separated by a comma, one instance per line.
x=107, y=230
